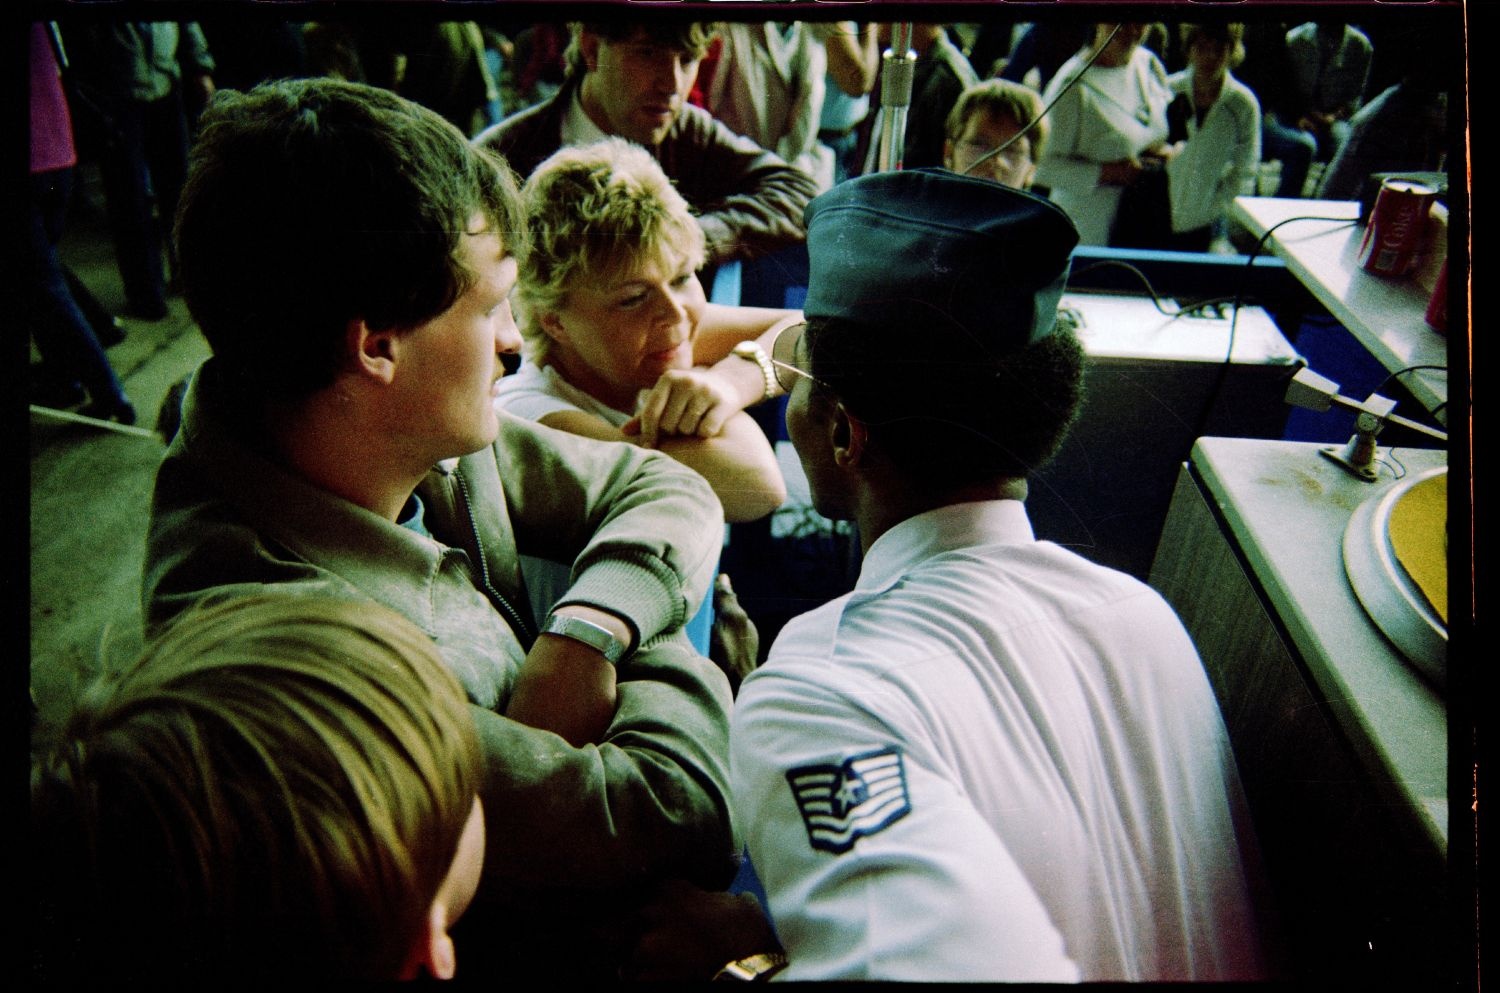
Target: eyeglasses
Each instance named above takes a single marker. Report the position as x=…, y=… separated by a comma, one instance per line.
x=783, y=351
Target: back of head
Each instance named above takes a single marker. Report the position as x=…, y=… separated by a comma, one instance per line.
x=1006, y=99
x=276, y=788
x=311, y=203
x=933, y=316
x=592, y=211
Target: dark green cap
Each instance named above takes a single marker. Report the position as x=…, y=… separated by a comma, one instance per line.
x=939, y=253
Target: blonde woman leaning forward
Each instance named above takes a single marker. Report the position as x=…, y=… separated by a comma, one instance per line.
x=621, y=343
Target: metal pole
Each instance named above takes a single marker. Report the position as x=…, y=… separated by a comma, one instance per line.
x=898, y=68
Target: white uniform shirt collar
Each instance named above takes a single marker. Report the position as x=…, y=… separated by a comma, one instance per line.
x=960, y=525
x=577, y=127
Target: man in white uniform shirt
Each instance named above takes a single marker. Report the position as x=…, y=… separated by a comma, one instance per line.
x=994, y=760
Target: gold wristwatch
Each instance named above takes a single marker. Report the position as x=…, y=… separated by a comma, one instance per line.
x=751, y=351
x=753, y=968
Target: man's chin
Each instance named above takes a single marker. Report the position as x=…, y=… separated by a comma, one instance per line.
x=482, y=439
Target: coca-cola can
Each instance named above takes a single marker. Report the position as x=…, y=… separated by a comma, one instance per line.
x=1392, y=244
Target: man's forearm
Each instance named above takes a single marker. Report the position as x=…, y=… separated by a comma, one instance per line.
x=650, y=801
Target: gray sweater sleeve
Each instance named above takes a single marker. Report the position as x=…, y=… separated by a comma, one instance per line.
x=650, y=801
x=643, y=532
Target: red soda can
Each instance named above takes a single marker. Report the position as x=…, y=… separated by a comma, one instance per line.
x=1437, y=307
x=1393, y=239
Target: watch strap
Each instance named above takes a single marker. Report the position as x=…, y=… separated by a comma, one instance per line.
x=596, y=636
x=753, y=968
x=752, y=351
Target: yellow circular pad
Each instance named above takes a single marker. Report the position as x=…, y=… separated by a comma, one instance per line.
x=1419, y=536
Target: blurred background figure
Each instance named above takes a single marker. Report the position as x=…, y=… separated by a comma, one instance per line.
x=993, y=41
x=446, y=69
x=541, y=62
x=768, y=84
x=985, y=119
x=1219, y=135
x=1326, y=68
x=1105, y=161
x=252, y=50
x=442, y=66
x=135, y=85
x=1041, y=49
x=942, y=73
x=1405, y=128
x=853, y=63
x=74, y=370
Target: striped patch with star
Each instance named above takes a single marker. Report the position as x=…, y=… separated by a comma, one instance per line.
x=859, y=797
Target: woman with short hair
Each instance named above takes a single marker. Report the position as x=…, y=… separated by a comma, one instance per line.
x=621, y=343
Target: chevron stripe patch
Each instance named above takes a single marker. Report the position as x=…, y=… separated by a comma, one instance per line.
x=842, y=803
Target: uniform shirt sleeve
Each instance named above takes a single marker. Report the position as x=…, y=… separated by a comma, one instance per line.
x=876, y=865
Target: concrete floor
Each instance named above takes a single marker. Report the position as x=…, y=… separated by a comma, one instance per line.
x=91, y=489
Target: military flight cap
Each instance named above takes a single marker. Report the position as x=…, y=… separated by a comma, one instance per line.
x=935, y=249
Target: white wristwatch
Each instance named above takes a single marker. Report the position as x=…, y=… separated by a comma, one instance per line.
x=596, y=636
x=752, y=351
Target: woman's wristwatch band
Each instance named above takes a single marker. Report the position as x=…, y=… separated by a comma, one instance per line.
x=753, y=968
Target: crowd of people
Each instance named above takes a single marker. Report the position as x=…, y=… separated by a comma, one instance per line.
x=449, y=344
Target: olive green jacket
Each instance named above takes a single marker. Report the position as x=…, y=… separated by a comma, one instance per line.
x=642, y=533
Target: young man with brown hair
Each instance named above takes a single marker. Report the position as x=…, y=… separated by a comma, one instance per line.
x=350, y=259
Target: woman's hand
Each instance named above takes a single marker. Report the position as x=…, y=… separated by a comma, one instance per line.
x=1162, y=153
x=684, y=402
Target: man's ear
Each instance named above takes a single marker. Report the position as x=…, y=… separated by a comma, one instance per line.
x=371, y=353
x=851, y=439
x=434, y=952
x=552, y=325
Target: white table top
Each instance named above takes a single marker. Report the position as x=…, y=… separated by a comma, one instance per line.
x=1289, y=507
x=1130, y=328
x=1384, y=315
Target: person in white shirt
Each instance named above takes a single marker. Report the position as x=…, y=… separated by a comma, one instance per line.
x=1109, y=131
x=769, y=85
x=1222, y=147
x=994, y=760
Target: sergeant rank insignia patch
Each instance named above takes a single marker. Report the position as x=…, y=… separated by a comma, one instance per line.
x=842, y=803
